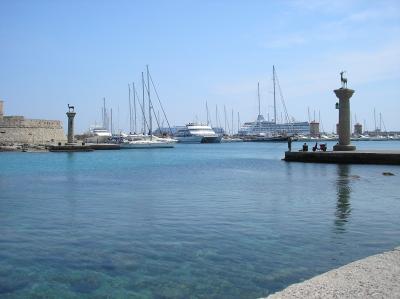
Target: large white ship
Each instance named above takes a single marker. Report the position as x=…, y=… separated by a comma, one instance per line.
x=197, y=133
x=266, y=130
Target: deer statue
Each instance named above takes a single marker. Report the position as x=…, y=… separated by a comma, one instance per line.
x=343, y=79
x=71, y=108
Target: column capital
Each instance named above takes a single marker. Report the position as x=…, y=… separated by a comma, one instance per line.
x=344, y=93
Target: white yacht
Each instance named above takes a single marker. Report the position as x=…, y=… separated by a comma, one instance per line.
x=197, y=133
x=145, y=141
x=98, y=135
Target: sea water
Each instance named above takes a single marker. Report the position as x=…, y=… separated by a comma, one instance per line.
x=197, y=221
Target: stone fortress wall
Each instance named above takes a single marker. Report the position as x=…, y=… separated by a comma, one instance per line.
x=19, y=130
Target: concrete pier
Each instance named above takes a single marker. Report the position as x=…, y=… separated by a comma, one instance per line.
x=346, y=157
x=376, y=276
x=344, y=95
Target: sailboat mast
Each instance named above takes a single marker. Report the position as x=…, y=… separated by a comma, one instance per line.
x=143, y=107
x=111, y=123
x=232, y=122
x=148, y=95
x=134, y=107
x=238, y=122
x=225, y=118
x=105, y=124
x=375, y=120
x=273, y=79
x=259, y=103
x=207, y=113
x=130, y=110
x=216, y=115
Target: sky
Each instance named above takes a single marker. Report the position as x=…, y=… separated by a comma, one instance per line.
x=54, y=53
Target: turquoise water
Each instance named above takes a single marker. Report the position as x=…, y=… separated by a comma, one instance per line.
x=197, y=221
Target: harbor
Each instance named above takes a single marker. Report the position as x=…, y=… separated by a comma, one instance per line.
x=199, y=149
x=216, y=220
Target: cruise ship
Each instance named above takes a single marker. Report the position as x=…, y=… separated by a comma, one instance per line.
x=265, y=130
x=197, y=133
x=262, y=127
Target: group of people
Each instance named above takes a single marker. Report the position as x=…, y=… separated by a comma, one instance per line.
x=322, y=146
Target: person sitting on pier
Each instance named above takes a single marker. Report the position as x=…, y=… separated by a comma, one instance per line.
x=305, y=147
x=289, y=143
x=315, y=147
x=322, y=147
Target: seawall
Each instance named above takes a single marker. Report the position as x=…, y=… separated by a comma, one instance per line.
x=377, y=276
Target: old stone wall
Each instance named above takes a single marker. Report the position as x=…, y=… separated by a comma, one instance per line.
x=17, y=129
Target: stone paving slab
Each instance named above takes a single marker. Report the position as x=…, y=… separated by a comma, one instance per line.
x=377, y=276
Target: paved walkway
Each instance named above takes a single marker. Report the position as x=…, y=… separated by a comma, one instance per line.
x=377, y=276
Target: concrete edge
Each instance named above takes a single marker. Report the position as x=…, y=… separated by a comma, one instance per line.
x=376, y=276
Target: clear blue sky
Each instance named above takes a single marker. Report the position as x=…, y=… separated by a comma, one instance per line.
x=57, y=52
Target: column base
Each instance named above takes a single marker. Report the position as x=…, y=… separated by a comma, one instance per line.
x=341, y=147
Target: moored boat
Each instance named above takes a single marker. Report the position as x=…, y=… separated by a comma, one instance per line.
x=197, y=133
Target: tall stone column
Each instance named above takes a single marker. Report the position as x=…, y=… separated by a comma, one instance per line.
x=344, y=95
x=1, y=110
x=71, y=114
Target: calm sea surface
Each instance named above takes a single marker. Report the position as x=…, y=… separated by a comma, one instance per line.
x=197, y=221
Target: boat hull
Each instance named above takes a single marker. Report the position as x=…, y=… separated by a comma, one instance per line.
x=211, y=139
x=266, y=139
x=146, y=145
x=189, y=139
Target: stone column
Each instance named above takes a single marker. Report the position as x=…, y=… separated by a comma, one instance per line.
x=71, y=115
x=1, y=110
x=344, y=95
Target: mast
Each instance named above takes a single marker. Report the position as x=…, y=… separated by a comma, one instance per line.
x=238, y=121
x=111, y=125
x=273, y=79
x=375, y=120
x=207, y=113
x=380, y=122
x=143, y=109
x=225, y=118
x=130, y=110
x=216, y=116
x=259, y=103
x=105, y=125
x=148, y=95
x=232, y=122
x=134, y=106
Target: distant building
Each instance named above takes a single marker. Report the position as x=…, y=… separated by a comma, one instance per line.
x=314, y=129
x=19, y=130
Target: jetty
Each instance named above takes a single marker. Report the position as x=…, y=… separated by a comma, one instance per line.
x=343, y=152
x=346, y=157
x=376, y=276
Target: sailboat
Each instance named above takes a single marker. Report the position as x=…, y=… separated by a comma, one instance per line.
x=138, y=141
x=270, y=130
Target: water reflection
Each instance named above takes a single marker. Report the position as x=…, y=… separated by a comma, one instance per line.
x=343, y=208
